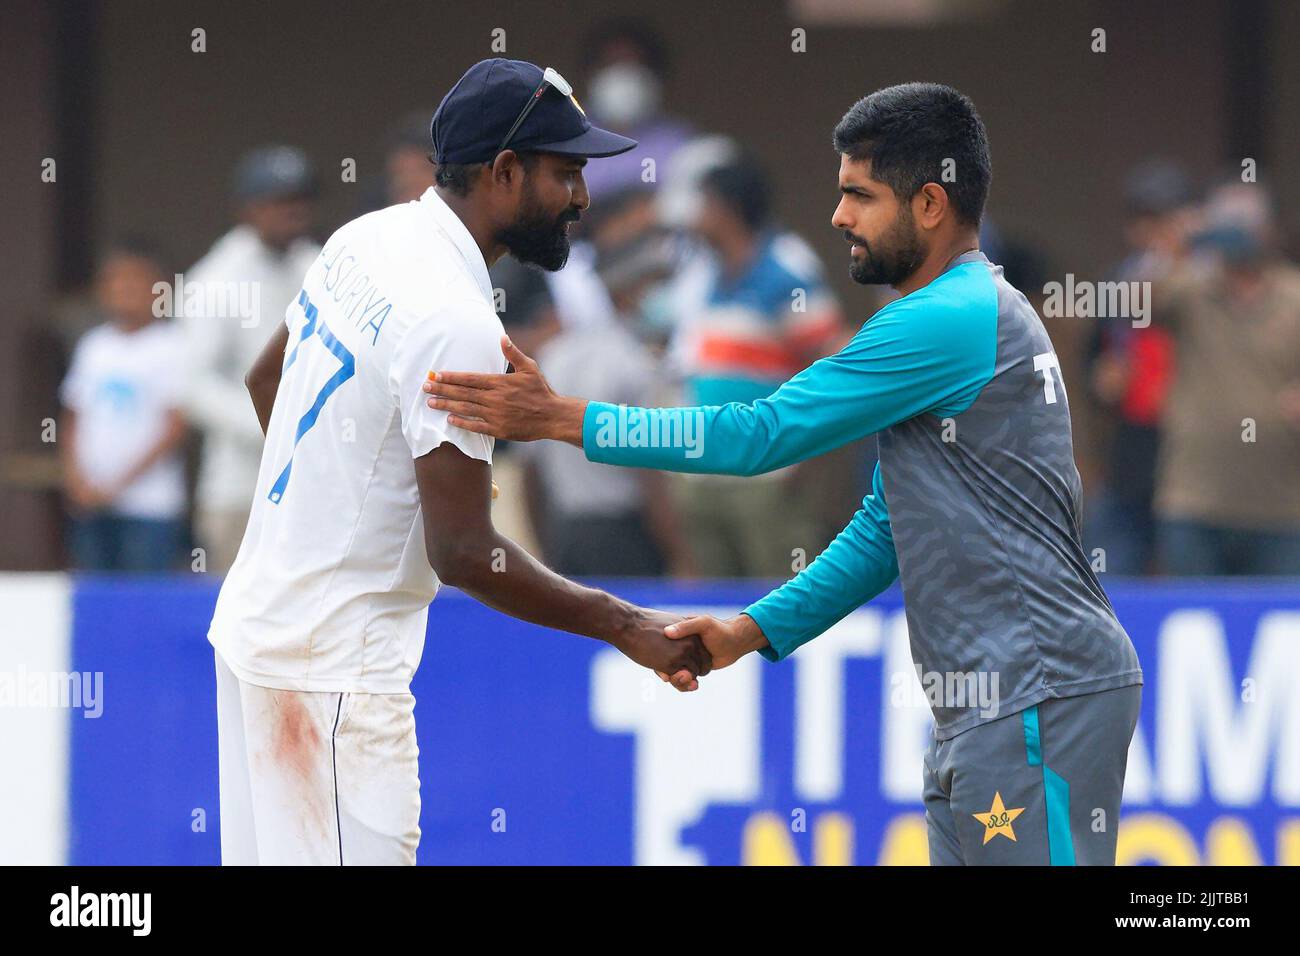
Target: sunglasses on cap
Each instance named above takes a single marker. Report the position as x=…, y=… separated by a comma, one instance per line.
x=551, y=79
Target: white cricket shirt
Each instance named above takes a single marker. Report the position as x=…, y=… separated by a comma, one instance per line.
x=331, y=588
x=230, y=303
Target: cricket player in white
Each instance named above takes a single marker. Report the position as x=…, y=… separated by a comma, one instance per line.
x=367, y=498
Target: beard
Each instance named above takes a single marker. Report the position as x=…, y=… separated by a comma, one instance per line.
x=897, y=254
x=537, y=237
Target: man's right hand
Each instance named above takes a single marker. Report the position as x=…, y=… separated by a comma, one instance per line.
x=518, y=407
x=724, y=641
x=644, y=641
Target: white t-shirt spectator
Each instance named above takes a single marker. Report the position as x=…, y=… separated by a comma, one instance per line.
x=121, y=386
x=606, y=362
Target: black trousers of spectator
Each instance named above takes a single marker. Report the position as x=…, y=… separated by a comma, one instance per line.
x=1199, y=549
x=598, y=545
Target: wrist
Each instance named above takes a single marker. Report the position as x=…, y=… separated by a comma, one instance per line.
x=568, y=420
x=624, y=621
x=751, y=636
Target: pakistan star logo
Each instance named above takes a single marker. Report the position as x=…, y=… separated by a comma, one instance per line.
x=998, y=819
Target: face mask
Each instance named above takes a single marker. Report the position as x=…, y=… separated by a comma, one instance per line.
x=1236, y=244
x=658, y=308
x=624, y=94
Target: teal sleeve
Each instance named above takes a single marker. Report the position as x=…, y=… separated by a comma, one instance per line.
x=854, y=568
x=931, y=351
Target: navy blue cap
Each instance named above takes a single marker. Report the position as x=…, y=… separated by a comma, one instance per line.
x=273, y=172
x=475, y=116
x=1157, y=187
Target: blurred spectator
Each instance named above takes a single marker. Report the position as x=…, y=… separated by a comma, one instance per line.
x=234, y=297
x=678, y=199
x=581, y=298
x=538, y=304
x=408, y=169
x=122, y=429
x=1228, y=494
x=529, y=316
x=753, y=310
x=525, y=304
x=1130, y=375
x=628, y=63
x=597, y=519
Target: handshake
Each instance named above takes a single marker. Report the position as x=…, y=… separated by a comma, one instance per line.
x=681, y=650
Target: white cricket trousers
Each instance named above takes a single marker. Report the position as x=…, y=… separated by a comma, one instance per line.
x=316, y=779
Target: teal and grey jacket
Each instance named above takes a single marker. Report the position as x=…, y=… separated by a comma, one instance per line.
x=975, y=504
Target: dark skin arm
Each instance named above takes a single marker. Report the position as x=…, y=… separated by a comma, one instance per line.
x=466, y=552
x=263, y=379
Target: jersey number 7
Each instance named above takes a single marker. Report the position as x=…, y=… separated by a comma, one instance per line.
x=347, y=368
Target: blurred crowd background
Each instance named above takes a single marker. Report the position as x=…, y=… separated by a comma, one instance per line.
x=705, y=272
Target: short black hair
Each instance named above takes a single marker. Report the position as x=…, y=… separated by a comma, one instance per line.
x=136, y=245
x=457, y=177
x=626, y=31
x=908, y=131
x=409, y=132
x=742, y=186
